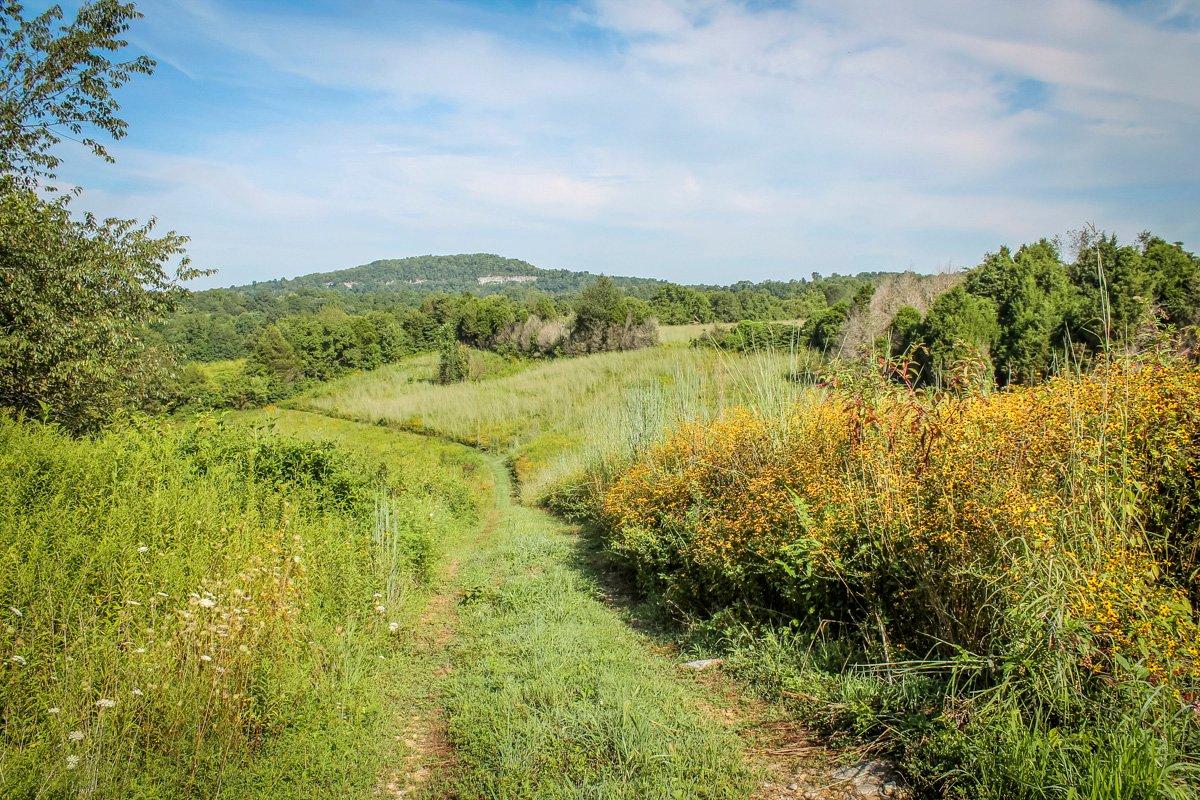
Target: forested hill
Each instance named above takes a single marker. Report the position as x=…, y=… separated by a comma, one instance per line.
x=480, y=273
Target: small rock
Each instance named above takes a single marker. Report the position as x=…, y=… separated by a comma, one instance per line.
x=704, y=663
x=871, y=780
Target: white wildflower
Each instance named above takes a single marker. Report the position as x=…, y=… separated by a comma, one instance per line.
x=139, y=650
x=393, y=626
x=143, y=549
x=380, y=609
x=207, y=602
x=16, y=611
x=296, y=559
x=72, y=762
x=104, y=702
x=75, y=736
x=136, y=692
x=163, y=595
x=206, y=657
x=53, y=710
x=20, y=660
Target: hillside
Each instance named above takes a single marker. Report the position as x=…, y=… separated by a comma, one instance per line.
x=481, y=273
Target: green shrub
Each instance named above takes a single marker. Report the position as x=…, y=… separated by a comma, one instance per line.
x=454, y=365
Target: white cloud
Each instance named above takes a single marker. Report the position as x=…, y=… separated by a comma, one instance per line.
x=698, y=140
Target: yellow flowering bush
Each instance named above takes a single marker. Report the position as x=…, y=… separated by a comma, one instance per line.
x=944, y=521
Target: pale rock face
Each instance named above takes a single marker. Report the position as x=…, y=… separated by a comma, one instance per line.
x=486, y=279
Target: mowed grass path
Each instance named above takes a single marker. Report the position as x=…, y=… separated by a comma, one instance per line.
x=519, y=681
x=552, y=695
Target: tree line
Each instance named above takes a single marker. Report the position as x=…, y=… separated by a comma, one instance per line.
x=1022, y=317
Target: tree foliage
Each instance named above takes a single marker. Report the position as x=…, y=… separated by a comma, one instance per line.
x=74, y=296
x=1031, y=314
x=57, y=81
x=453, y=363
x=959, y=326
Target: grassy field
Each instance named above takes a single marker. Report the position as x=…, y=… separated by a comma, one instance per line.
x=995, y=590
x=685, y=334
x=203, y=610
x=553, y=418
x=287, y=604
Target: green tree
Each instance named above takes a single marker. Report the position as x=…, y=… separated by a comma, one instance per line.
x=725, y=306
x=541, y=305
x=1032, y=294
x=825, y=327
x=904, y=330
x=608, y=319
x=1116, y=290
x=1176, y=274
x=958, y=326
x=454, y=365
x=481, y=319
x=58, y=80
x=679, y=305
x=275, y=357
x=601, y=303
x=75, y=298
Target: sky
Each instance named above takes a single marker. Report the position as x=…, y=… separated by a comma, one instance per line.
x=695, y=140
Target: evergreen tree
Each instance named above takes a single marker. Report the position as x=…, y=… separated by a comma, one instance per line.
x=1032, y=294
x=959, y=326
x=275, y=356
x=453, y=363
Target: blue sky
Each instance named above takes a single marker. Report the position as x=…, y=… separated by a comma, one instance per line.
x=705, y=141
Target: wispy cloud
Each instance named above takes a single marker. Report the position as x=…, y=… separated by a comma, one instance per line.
x=704, y=141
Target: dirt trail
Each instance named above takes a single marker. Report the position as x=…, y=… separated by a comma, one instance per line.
x=790, y=762
x=427, y=748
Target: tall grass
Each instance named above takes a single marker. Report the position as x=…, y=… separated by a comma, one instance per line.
x=554, y=418
x=200, y=610
x=1001, y=586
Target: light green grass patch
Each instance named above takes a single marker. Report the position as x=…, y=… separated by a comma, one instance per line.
x=556, y=417
x=552, y=695
x=191, y=609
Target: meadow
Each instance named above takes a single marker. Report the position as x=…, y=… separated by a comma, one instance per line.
x=552, y=418
x=995, y=589
x=213, y=608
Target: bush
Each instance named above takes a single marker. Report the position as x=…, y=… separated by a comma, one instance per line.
x=454, y=365
x=607, y=319
x=1036, y=547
